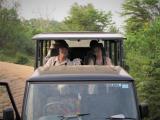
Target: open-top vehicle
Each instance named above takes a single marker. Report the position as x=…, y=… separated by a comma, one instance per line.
x=79, y=92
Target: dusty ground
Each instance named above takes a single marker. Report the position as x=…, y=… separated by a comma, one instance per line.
x=16, y=76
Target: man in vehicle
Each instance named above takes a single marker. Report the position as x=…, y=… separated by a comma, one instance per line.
x=62, y=57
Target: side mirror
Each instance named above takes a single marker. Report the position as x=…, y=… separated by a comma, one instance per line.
x=144, y=111
x=8, y=114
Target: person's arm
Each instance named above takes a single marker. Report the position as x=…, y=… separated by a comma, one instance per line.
x=48, y=56
x=48, y=63
x=108, y=61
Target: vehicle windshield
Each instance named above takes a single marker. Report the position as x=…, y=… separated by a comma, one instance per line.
x=76, y=100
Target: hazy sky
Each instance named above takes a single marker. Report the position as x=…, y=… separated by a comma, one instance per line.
x=58, y=9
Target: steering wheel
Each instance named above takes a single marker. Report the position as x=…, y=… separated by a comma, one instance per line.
x=57, y=108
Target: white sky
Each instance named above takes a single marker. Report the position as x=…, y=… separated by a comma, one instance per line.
x=58, y=9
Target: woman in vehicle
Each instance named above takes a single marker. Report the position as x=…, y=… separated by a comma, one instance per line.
x=96, y=56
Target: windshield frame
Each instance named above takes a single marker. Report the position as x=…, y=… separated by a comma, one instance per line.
x=28, y=83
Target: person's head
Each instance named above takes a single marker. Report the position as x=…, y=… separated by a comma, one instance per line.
x=93, y=44
x=62, y=48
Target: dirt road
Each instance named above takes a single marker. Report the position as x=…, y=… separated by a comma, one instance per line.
x=16, y=76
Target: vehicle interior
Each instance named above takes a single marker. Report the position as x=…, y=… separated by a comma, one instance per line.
x=74, y=52
x=79, y=49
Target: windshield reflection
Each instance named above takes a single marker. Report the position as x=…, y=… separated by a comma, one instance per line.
x=80, y=101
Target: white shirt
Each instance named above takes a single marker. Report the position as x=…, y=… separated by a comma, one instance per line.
x=53, y=61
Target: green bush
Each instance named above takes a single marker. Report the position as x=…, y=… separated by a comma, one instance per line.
x=21, y=59
x=5, y=57
x=143, y=57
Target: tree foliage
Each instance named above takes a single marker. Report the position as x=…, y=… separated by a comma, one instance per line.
x=41, y=25
x=143, y=57
x=140, y=12
x=143, y=50
x=13, y=36
x=87, y=18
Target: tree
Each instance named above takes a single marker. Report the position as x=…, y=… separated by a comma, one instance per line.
x=13, y=36
x=40, y=25
x=143, y=57
x=139, y=13
x=143, y=50
x=87, y=18
x=8, y=18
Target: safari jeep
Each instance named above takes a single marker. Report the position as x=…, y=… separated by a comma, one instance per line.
x=78, y=92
